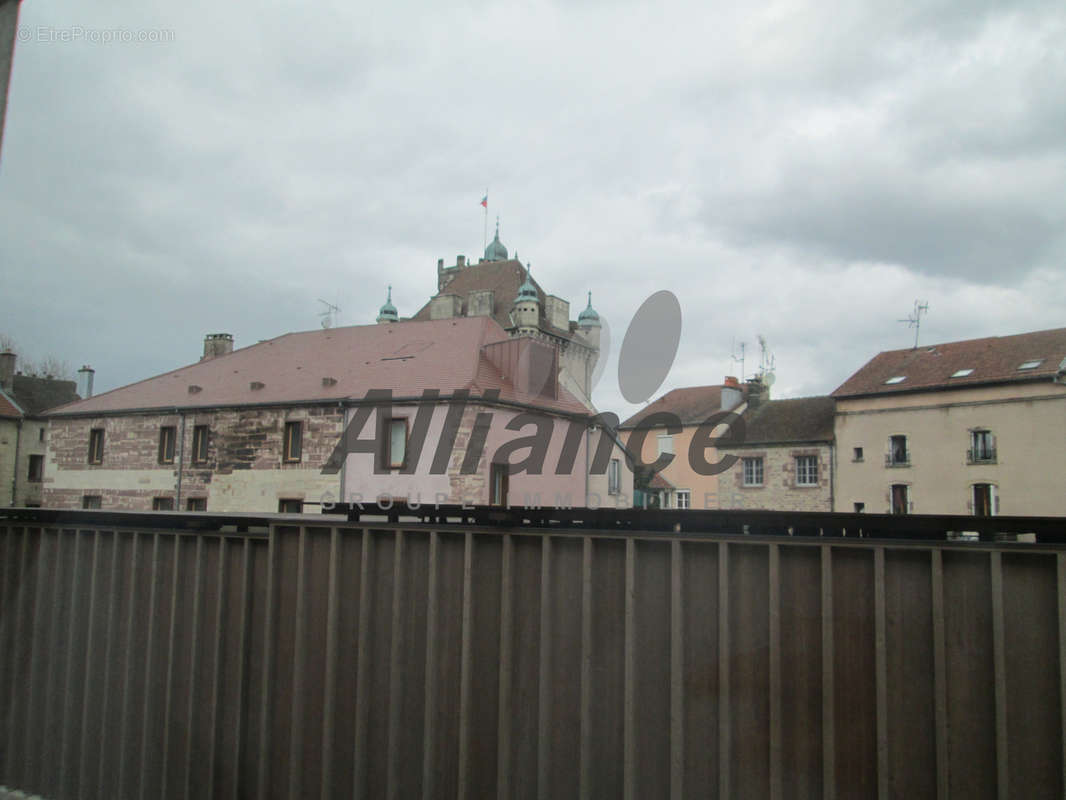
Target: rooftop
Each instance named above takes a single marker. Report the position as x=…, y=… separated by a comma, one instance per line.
x=336, y=364
x=693, y=405
x=801, y=419
x=1040, y=355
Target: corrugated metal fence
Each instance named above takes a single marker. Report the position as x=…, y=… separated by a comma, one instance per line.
x=393, y=662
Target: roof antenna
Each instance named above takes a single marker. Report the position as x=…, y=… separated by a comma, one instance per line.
x=767, y=363
x=915, y=319
x=740, y=359
x=329, y=316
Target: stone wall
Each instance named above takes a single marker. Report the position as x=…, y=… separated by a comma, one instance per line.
x=244, y=469
x=779, y=491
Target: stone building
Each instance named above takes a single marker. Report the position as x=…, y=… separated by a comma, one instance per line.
x=291, y=423
x=968, y=427
x=23, y=429
x=785, y=461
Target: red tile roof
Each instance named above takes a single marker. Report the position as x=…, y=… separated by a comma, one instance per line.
x=8, y=409
x=335, y=364
x=693, y=405
x=502, y=278
x=993, y=360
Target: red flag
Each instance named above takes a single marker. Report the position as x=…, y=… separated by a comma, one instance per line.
x=485, y=201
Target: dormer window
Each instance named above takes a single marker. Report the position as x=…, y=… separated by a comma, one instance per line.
x=896, y=379
x=1036, y=362
x=961, y=373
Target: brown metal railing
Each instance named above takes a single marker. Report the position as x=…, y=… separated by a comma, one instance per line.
x=336, y=659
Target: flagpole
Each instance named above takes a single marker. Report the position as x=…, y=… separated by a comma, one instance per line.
x=486, y=207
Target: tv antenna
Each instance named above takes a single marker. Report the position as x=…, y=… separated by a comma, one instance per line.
x=739, y=359
x=766, y=362
x=329, y=316
x=915, y=319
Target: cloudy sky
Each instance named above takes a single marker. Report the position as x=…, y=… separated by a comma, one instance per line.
x=800, y=170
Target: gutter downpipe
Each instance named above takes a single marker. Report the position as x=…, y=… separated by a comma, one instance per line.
x=15, y=472
x=181, y=463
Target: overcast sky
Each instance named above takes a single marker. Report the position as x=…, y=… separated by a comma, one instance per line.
x=800, y=170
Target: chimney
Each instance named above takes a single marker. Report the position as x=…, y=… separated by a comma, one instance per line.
x=758, y=392
x=460, y=261
x=85, y=382
x=731, y=394
x=217, y=344
x=7, y=369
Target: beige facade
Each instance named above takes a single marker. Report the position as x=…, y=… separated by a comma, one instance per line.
x=1023, y=459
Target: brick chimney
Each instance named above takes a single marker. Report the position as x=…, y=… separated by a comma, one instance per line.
x=7, y=369
x=217, y=344
x=731, y=393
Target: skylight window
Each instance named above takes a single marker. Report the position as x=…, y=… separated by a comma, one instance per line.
x=897, y=379
x=1036, y=362
x=961, y=373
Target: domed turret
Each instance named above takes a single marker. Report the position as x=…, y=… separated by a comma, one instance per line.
x=496, y=251
x=525, y=311
x=588, y=318
x=388, y=313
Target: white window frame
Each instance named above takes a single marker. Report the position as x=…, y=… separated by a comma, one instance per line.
x=802, y=476
x=750, y=474
x=683, y=499
x=666, y=443
x=614, y=476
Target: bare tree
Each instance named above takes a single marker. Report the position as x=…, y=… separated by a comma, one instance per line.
x=48, y=367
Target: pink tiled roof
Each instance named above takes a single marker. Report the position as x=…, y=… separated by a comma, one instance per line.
x=993, y=360
x=406, y=357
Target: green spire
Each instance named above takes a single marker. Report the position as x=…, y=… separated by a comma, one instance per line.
x=496, y=251
x=527, y=291
x=388, y=312
x=589, y=318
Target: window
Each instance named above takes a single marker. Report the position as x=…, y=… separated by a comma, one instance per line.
x=167, y=435
x=614, y=476
x=860, y=507
x=753, y=471
x=96, y=446
x=900, y=499
x=290, y=505
x=498, y=483
x=199, y=444
x=196, y=504
x=1036, y=362
x=857, y=454
x=898, y=455
x=666, y=443
x=36, y=469
x=162, y=504
x=293, y=440
x=90, y=501
x=961, y=373
x=806, y=470
x=683, y=498
x=985, y=500
x=40, y=434
x=396, y=443
x=982, y=447
x=896, y=379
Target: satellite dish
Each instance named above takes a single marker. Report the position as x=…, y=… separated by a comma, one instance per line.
x=769, y=379
x=327, y=322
